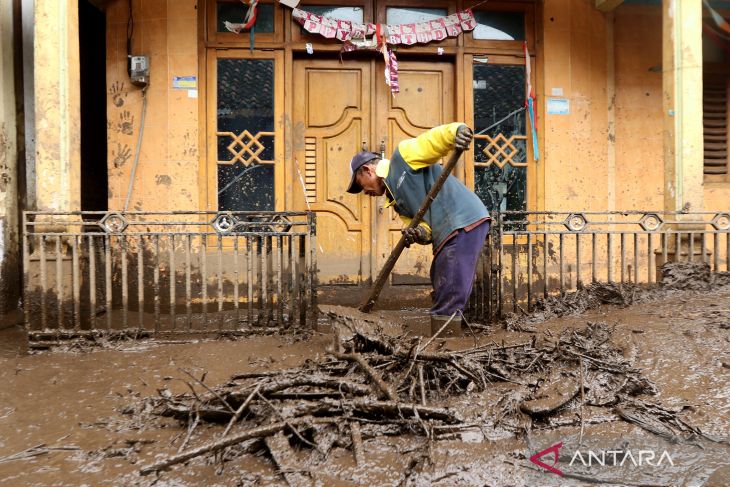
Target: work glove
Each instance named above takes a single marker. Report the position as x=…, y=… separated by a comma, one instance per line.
x=463, y=138
x=417, y=235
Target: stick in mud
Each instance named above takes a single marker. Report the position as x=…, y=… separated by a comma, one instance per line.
x=357, y=358
x=258, y=432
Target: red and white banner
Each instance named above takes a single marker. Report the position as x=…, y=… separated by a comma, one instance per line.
x=407, y=34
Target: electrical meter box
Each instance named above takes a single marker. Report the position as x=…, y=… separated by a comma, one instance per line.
x=139, y=70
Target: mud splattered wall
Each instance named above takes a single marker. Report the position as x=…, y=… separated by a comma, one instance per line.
x=638, y=107
x=575, y=145
x=167, y=173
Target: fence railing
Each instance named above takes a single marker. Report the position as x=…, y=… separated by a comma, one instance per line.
x=536, y=254
x=187, y=272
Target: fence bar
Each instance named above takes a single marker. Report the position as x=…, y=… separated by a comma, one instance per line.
x=26, y=278
x=609, y=256
x=649, y=256
x=279, y=299
x=716, y=252
x=500, y=262
x=703, y=245
x=173, y=282
x=529, y=272
x=220, y=281
x=636, y=258
x=578, y=280
x=108, y=280
x=545, y=279
x=125, y=284
x=302, y=279
x=594, y=257
x=188, y=277
x=140, y=282
x=44, y=284
x=487, y=270
x=59, y=282
x=249, y=279
x=156, y=281
x=623, y=257
x=204, y=277
x=76, y=282
x=691, y=246
x=92, y=282
x=560, y=243
x=264, y=279
x=665, y=248
x=727, y=252
x=514, y=273
x=678, y=248
x=235, y=283
x=312, y=270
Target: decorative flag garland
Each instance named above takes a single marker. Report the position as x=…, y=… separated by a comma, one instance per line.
x=248, y=22
x=355, y=35
x=408, y=34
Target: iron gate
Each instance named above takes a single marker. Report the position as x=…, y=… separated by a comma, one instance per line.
x=136, y=273
x=532, y=255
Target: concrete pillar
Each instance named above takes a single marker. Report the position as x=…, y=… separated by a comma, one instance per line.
x=9, y=244
x=682, y=104
x=57, y=106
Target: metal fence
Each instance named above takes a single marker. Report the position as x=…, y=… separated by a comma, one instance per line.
x=154, y=273
x=532, y=255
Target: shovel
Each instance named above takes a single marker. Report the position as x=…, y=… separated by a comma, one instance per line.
x=367, y=306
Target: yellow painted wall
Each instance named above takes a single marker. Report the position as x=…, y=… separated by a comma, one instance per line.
x=167, y=174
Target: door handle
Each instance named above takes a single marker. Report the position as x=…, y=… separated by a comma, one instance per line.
x=364, y=146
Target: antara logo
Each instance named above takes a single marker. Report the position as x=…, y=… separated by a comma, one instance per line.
x=555, y=450
x=604, y=458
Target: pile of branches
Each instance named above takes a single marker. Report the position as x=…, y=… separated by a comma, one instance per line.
x=375, y=385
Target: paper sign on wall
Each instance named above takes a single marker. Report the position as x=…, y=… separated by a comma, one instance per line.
x=185, y=82
x=289, y=3
x=558, y=106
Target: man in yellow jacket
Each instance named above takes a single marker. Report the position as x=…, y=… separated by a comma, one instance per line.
x=456, y=224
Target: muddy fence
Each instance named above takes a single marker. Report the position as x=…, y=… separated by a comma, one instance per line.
x=142, y=273
x=532, y=255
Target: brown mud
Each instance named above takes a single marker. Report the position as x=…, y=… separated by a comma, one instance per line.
x=78, y=405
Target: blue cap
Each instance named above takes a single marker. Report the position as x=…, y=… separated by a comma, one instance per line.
x=360, y=159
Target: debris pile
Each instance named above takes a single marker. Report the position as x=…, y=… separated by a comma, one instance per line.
x=376, y=385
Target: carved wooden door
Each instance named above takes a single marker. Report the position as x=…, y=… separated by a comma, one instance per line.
x=331, y=120
x=338, y=107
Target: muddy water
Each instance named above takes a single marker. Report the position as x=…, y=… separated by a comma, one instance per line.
x=76, y=399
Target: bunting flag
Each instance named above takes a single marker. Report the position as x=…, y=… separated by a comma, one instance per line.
x=530, y=103
x=406, y=34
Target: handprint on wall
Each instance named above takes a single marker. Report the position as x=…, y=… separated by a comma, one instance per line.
x=126, y=123
x=118, y=93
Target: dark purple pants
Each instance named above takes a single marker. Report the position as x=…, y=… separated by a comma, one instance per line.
x=453, y=269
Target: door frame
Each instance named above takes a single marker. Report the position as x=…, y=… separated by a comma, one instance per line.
x=211, y=157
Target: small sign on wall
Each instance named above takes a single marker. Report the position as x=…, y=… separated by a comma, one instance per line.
x=185, y=82
x=558, y=106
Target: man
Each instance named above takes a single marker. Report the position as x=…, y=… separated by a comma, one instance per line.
x=456, y=224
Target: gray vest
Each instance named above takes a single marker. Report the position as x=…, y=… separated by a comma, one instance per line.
x=454, y=207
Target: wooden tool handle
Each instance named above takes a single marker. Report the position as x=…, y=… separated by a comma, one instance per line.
x=367, y=306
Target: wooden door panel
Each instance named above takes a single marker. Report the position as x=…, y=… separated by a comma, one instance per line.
x=333, y=118
x=425, y=101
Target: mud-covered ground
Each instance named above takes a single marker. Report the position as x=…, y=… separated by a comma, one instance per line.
x=62, y=421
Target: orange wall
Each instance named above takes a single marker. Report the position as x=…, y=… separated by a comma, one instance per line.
x=167, y=173
x=575, y=145
x=639, y=123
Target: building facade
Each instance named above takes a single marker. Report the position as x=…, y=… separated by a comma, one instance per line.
x=268, y=118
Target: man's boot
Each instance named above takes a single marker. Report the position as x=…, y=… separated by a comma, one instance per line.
x=453, y=329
